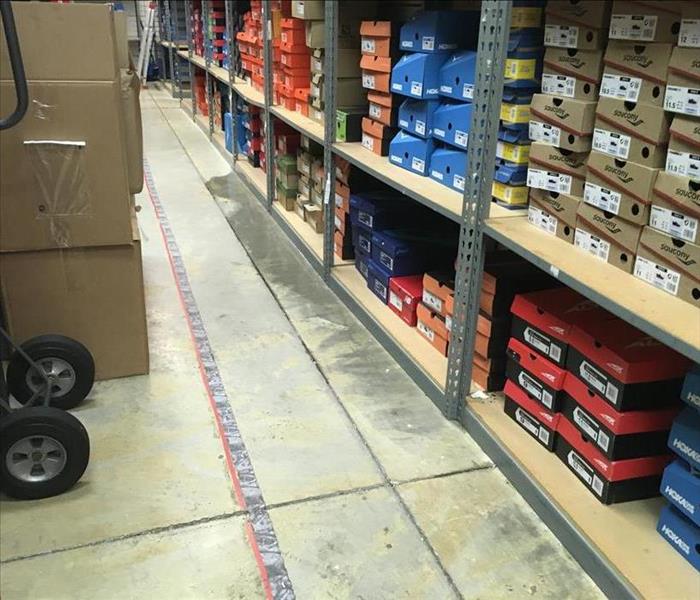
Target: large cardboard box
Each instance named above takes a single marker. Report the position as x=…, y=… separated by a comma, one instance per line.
x=94, y=295
x=562, y=122
x=308, y=9
x=648, y=21
x=683, y=88
x=675, y=207
x=572, y=73
x=553, y=213
x=556, y=170
x=683, y=156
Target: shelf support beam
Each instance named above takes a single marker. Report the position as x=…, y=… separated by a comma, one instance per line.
x=481, y=155
x=329, y=67
x=267, y=115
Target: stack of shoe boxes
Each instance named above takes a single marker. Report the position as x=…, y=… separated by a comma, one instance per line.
x=252, y=126
x=249, y=41
x=429, y=38
x=523, y=70
x=197, y=28
x=593, y=389
x=216, y=32
x=309, y=202
x=287, y=142
x=293, y=78
x=679, y=521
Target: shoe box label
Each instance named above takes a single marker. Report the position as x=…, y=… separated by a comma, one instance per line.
x=657, y=275
x=561, y=36
x=602, y=198
x=598, y=381
x=641, y=28
x=683, y=163
x=621, y=86
x=549, y=180
x=689, y=34
x=676, y=224
x=592, y=244
x=585, y=472
x=544, y=132
x=558, y=85
x=542, y=343
x=682, y=100
x=612, y=143
x=542, y=220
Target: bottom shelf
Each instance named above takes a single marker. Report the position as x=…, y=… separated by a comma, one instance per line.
x=624, y=534
x=427, y=358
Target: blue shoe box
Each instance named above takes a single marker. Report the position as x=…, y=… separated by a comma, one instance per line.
x=684, y=438
x=416, y=116
x=509, y=173
x=378, y=280
x=457, y=76
x=451, y=124
x=411, y=153
x=681, y=487
x=449, y=167
x=691, y=388
x=362, y=239
x=362, y=263
x=379, y=210
x=683, y=536
x=439, y=30
x=513, y=136
x=398, y=253
x=417, y=75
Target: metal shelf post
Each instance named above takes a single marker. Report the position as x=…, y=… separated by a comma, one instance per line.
x=329, y=67
x=190, y=29
x=267, y=115
x=228, y=7
x=481, y=151
x=209, y=81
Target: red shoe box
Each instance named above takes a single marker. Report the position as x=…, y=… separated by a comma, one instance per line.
x=288, y=143
x=485, y=375
x=295, y=61
x=404, y=296
x=540, y=423
x=609, y=480
x=626, y=367
x=428, y=325
x=540, y=378
x=297, y=79
x=543, y=320
x=293, y=36
x=617, y=435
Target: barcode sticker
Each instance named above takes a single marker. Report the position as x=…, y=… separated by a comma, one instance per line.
x=368, y=81
x=364, y=269
x=657, y=275
x=458, y=182
x=367, y=141
x=365, y=218
x=437, y=175
x=619, y=86
x=426, y=331
x=536, y=340
x=445, y=89
x=375, y=111
x=428, y=43
x=448, y=322
x=527, y=422
x=640, y=28
x=338, y=223
x=593, y=376
x=683, y=163
x=580, y=467
x=689, y=34
x=674, y=223
x=602, y=198
x=597, y=485
x=417, y=88
x=530, y=385
x=368, y=45
x=547, y=399
x=468, y=91
x=549, y=180
x=585, y=423
x=543, y=435
x=609, y=142
x=682, y=100
x=592, y=244
x=558, y=85
x=418, y=164
x=561, y=36
x=364, y=243
x=386, y=260
x=516, y=153
x=380, y=289
x=554, y=352
x=461, y=138
x=339, y=200
x=395, y=301
x=544, y=132
x=432, y=301
x=420, y=127
x=603, y=440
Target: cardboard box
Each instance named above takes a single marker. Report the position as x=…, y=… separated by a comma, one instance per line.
x=539, y=422
x=457, y=76
x=562, y=33
x=378, y=38
x=606, y=236
x=317, y=60
x=376, y=73
x=315, y=34
x=376, y=137
x=340, y=247
x=299, y=205
x=681, y=487
x=378, y=280
x=304, y=188
x=556, y=170
x=689, y=34
x=636, y=132
x=404, y=297
x=684, y=438
x=655, y=21
x=94, y=295
x=313, y=215
x=683, y=156
x=680, y=533
x=683, y=88
x=418, y=75
x=349, y=124
x=691, y=387
x=285, y=196
x=342, y=223
x=591, y=13
x=416, y=116
x=449, y=167
x=86, y=177
x=308, y=9
x=382, y=108
x=636, y=72
x=669, y=264
x=570, y=121
x=429, y=324
x=554, y=213
x=675, y=207
x=572, y=73
x=438, y=289
x=451, y=123
x=620, y=187
x=411, y=153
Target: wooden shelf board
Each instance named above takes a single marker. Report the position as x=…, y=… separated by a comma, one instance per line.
x=300, y=123
x=249, y=93
x=254, y=175
x=183, y=54
x=624, y=533
x=659, y=314
x=415, y=345
x=425, y=190
x=219, y=73
x=313, y=240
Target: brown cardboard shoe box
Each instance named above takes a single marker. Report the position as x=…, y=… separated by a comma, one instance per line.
x=683, y=156
x=636, y=72
x=606, y=236
x=621, y=187
x=591, y=13
x=63, y=173
x=561, y=32
x=556, y=170
x=572, y=73
x=554, y=213
x=573, y=120
x=669, y=264
x=94, y=295
x=647, y=21
x=632, y=131
x=683, y=88
x=376, y=136
x=675, y=207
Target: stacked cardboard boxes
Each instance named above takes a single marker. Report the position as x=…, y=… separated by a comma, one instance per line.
x=67, y=174
x=250, y=46
x=593, y=389
x=216, y=44
x=197, y=28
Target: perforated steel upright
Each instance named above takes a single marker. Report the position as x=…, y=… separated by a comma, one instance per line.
x=329, y=67
x=190, y=38
x=228, y=12
x=267, y=115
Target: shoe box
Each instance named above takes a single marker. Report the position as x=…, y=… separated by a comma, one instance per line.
x=681, y=534
x=648, y=21
x=451, y=124
x=457, y=76
x=572, y=73
x=553, y=213
x=684, y=438
x=405, y=295
x=683, y=87
x=675, y=207
x=378, y=38
x=436, y=31
x=416, y=117
x=411, y=153
x=383, y=108
x=376, y=136
x=690, y=394
x=449, y=167
x=410, y=251
x=681, y=487
x=562, y=122
x=556, y=170
x=430, y=325
x=581, y=25
x=683, y=157
x=534, y=418
x=378, y=280
x=417, y=75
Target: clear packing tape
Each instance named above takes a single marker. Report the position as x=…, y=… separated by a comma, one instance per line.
x=131, y=109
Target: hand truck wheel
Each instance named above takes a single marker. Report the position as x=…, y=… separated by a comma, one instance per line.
x=43, y=452
x=67, y=364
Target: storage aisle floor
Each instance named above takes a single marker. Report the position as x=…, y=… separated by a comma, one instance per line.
x=371, y=492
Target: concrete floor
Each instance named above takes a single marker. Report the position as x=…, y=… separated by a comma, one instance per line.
x=372, y=493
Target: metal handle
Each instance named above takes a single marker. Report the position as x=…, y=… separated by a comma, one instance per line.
x=20, y=79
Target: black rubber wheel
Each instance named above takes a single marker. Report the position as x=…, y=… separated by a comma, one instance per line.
x=68, y=362
x=43, y=452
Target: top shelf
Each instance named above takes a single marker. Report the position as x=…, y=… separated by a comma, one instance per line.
x=665, y=317
x=425, y=190
x=301, y=123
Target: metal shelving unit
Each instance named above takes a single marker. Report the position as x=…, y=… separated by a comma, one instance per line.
x=579, y=521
